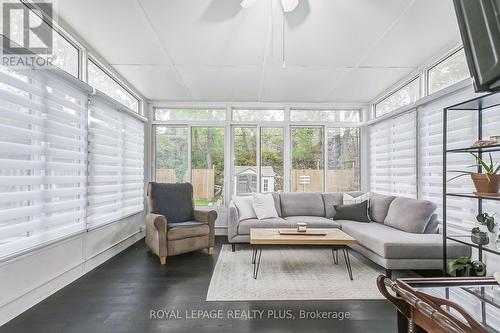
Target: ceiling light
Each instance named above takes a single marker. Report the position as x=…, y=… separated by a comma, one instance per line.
x=289, y=5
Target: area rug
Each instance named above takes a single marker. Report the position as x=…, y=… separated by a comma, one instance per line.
x=291, y=274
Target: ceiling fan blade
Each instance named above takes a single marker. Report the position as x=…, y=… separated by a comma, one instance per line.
x=289, y=5
x=247, y=3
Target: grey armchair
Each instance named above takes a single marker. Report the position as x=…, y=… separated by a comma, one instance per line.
x=173, y=226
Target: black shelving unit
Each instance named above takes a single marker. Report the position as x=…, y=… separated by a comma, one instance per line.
x=477, y=105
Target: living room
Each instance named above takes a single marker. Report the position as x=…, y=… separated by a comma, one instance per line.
x=250, y=165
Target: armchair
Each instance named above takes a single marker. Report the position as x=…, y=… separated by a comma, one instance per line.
x=173, y=226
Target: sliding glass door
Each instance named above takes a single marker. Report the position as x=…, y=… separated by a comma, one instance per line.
x=307, y=159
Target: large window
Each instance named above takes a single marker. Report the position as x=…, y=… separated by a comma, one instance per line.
x=192, y=154
x=307, y=159
x=343, y=159
x=449, y=71
x=405, y=95
x=99, y=79
x=245, y=160
x=164, y=114
x=271, y=159
x=43, y=159
x=207, y=165
x=171, y=158
x=325, y=115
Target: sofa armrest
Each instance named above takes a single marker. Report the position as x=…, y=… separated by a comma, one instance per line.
x=156, y=234
x=232, y=222
x=209, y=218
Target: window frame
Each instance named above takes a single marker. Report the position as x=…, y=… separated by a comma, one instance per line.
x=406, y=83
x=437, y=63
x=119, y=82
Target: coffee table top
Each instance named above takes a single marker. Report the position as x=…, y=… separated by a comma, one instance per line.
x=271, y=236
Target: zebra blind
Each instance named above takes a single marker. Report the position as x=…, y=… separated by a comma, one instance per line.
x=43, y=160
x=116, y=164
x=393, y=156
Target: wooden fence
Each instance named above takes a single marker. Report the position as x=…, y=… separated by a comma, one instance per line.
x=203, y=181
x=338, y=180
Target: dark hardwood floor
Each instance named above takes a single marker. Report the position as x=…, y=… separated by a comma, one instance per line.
x=119, y=295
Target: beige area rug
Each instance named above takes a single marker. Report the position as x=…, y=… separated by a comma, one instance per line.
x=291, y=274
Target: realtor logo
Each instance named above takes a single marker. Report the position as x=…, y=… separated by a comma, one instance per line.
x=24, y=31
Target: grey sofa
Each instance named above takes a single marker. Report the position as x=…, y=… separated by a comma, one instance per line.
x=403, y=233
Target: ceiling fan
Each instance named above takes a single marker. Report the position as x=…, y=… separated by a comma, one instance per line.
x=288, y=5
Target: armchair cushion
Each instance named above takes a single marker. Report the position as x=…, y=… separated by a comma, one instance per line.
x=186, y=224
x=174, y=201
x=178, y=233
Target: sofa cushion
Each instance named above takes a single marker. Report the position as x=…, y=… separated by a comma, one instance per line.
x=379, y=206
x=277, y=202
x=263, y=205
x=244, y=205
x=392, y=243
x=245, y=226
x=302, y=204
x=174, y=201
x=356, y=212
x=183, y=232
x=410, y=215
x=331, y=199
x=312, y=222
x=186, y=224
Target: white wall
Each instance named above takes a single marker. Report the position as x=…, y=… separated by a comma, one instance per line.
x=28, y=279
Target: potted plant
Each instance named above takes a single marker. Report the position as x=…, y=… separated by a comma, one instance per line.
x=479, y=237
x=486, y=183
x=487, y=220
x=463, y=266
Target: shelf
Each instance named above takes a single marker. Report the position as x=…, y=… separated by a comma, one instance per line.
x=491, y=247
x=488, y=149
x=473, y=196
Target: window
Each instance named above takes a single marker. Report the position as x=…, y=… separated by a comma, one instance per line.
x=190, y=114
x=393, y=156
x=245, y=160
x=325, y=115
x=43, y=160
x=271, y=159
x=171, y=158
x=307, y=159
x=99, y=79
x=258, y=115
x=207, y=165
x=116, y=164
x=343, y=159
x=405, y=95
x=449, y=71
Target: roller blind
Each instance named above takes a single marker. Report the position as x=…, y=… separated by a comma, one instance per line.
x=462, y=132
x=116, y=164
x=393, y=156
x=43, y=160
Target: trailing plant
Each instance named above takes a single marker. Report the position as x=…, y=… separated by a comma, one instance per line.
x=487, y=220
x=463, y=266
x=476, y=231
x=489, y=168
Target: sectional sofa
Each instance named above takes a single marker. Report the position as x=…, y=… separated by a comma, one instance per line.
x=403, y=232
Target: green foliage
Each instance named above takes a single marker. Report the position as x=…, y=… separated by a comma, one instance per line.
x=487, y=220
x=307, y=148
x=489, y=167
x=463, y=266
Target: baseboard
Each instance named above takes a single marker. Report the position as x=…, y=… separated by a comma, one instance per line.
x=221, y=231
x=14, y=308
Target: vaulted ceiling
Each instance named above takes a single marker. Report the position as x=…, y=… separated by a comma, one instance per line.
x=215, y=50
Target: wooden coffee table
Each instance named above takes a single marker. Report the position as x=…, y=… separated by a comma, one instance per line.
x=333, y=238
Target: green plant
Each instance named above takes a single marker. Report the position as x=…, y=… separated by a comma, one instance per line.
x=489, y=168
x=477, y=232
x=463, y=266
x=487, y=220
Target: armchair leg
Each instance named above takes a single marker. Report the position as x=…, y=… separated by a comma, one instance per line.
x=163, y=260
x=210, y=251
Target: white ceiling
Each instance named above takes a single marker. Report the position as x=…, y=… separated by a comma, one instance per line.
x=214, y=50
